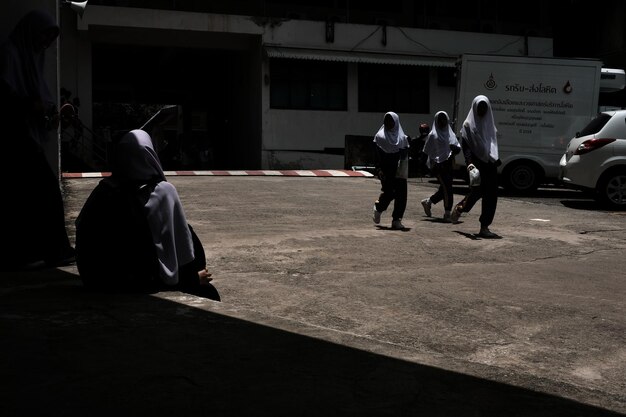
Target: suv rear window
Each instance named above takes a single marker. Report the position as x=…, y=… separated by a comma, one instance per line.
x=595, y=125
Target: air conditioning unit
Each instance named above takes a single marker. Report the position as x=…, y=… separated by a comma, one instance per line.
x=612, y=79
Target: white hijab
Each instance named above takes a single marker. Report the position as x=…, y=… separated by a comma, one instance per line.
x=394, y=139
x=137, y=161
x=437, y=145
x=481, y=133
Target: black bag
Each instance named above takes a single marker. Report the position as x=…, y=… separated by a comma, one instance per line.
x=114, y=247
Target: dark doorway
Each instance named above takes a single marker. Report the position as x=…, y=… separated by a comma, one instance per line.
x=131, y=84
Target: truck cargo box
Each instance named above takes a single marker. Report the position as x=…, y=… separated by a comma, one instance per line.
x=538, y=104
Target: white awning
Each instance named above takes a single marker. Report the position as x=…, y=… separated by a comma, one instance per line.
x=359, y=57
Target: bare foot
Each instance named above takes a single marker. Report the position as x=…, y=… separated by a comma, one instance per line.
x=204, y=276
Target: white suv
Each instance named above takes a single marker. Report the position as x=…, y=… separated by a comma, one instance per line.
x=596, y=159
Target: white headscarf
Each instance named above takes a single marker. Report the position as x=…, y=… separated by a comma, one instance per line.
x=437, y=145
x=394, y=139
x=137, y=161
x=23, y=60
x=482, y=136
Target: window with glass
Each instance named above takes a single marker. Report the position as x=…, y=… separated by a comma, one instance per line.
x=399, y=88
x=308, y=85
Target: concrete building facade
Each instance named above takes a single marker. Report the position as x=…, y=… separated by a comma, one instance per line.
x=252, y=89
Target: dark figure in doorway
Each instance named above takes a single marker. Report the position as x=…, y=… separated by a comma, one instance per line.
x=32, y=208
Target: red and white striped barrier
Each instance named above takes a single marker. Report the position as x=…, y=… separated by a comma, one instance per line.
x=283, y=173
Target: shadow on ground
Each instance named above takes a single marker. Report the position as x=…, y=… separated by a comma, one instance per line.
x=575, y=199
x=68, y=352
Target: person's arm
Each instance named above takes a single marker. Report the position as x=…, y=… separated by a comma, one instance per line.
x=195, y=277
x=195, y=272
x=455, y=148
x=13, y=105
x=378, y=160
x=51, y=117
x=467, y=152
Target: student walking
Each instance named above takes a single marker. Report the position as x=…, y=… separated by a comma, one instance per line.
x=480, y=148
x=392, y=150
x=441, y=147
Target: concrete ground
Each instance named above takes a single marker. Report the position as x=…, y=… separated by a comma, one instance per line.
x=325, y=314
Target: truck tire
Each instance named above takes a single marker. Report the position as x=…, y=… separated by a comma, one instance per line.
x=522, y=177
x=611, y=189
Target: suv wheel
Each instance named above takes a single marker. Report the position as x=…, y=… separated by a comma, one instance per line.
x=611, y=190
x=522, y=177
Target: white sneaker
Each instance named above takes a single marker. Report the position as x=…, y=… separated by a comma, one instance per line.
x=397, y=225
x=376, y=216
x=427, y=206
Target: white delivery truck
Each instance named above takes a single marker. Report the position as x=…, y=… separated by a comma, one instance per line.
x=538, y=104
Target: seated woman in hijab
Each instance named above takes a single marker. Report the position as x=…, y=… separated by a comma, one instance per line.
x=132, y=233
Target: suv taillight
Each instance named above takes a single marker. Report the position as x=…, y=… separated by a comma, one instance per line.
x=591, y=145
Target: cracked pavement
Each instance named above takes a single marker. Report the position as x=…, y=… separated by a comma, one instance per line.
x=542, y=310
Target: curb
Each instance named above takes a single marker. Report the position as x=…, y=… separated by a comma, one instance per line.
x=284, y=173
